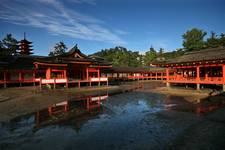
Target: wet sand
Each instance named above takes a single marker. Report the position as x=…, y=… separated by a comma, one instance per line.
x=189, y=95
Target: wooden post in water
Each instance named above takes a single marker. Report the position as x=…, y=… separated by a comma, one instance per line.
x=40, y=84
x=198, y=77
x=54, y=83
x=67, y=83
x=33, y=74
x=78, y=84
x=4, y=79
x=20, y=78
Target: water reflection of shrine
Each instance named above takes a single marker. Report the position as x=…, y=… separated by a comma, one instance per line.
x=175, y=103
x=81, y=110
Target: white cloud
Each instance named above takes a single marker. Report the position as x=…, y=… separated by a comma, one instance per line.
x=91, y=2
x=121, y=32
x=56, y=18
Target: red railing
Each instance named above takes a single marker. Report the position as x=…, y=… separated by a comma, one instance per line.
x=202, y=80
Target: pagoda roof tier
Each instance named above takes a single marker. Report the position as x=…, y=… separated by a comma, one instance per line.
x=25, y=41
x=26, y=48
x=204, y=56
x=23, y=44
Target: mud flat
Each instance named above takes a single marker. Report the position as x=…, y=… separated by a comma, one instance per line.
x=190, y=95
x=208, y=131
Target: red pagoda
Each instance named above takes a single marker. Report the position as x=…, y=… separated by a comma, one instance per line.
x=25, y=47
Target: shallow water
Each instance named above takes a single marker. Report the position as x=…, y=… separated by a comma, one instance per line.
x=133, y=120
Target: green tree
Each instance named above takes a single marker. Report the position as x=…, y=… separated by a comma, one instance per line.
x=194, y=39
x=150, y=56
x=213, y=41
x=59, y=49
x=120, y=56
x=8, y=46
x=161, y=52
x=222, y=40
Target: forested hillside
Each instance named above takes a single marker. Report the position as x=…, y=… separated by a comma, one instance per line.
x=194, y=39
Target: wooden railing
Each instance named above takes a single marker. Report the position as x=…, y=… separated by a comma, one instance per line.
x=202, y=80
x=99, y=79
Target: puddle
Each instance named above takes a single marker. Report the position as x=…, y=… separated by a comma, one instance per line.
x=129, y=120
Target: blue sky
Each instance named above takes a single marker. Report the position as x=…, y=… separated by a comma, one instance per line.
x=100, y=24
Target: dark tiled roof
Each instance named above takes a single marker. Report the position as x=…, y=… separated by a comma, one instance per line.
x=200, y=56
x=70, y=60
x=21, y=62
x=134, y=69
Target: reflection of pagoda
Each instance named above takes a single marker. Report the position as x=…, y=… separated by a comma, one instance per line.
x=25, y=46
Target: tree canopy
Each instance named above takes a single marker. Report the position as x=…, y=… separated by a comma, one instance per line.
x=8, y=46
x=120, y=56
x=194, y=39
x=150, y=56
x=59, y=49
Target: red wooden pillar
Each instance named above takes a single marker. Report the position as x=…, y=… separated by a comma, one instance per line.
x=167, y=77
x=198, y=77
x=20, y=77
x=48, y=73
x=223, y=77
x=98, y=73
x=98, y=76
x=87, y=74
x=64, y=74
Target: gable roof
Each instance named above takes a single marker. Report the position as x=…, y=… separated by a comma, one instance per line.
x=74, y=53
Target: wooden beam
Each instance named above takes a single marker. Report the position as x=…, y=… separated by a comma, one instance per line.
x=48, y=64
